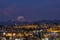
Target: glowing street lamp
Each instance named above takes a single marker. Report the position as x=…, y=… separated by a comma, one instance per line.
x=14, y=34
x=4, y=33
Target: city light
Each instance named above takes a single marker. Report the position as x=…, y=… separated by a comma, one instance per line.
x=14, y=34
x=4, y=33
x=19, y=32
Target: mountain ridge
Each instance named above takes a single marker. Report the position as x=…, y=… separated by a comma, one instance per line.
x=38, y=22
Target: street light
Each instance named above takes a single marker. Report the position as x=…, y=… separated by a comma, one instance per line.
x=4, y=33
x=14, y=34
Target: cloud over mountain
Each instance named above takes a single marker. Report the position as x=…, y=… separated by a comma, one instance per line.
x=20, y=18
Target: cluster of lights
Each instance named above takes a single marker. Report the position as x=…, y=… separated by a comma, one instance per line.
x=9, y=34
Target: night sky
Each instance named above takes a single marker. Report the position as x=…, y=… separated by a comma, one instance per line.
x=29, y=10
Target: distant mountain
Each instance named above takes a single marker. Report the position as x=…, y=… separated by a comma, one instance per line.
x=14, y=22
x=49, y=21
x=37, y=22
